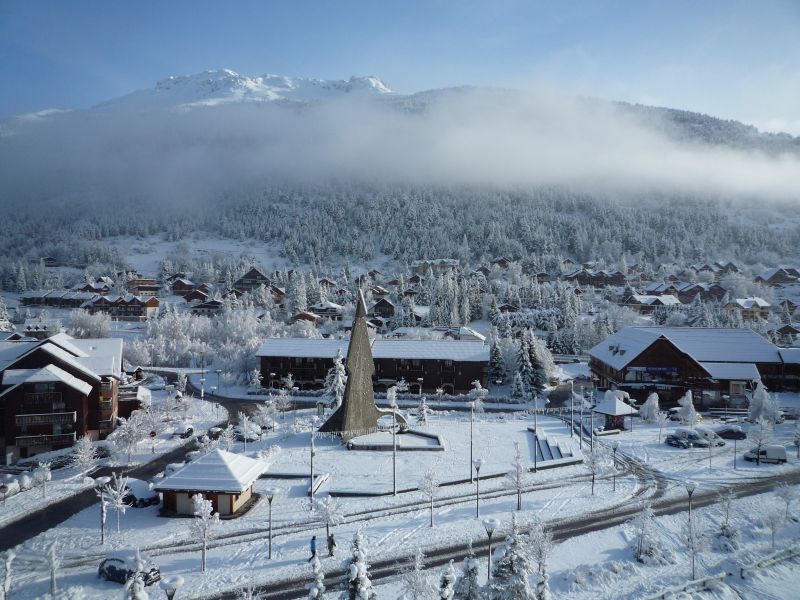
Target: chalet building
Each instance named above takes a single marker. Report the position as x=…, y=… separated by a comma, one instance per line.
x=508, y=308
x=383, y=308
x=40, y=329
x=647, y=304
x=502, y=262
x=49, y=262
x=196, y=295
x=209, y=307
x=278, y=295
x=710, y=362
x=97, y=287
x=55, y=390
x=327, y=310
x=584, y=277
x=791, y=367
x=181, y=286
x=778, y=276
x=750, y=309
x=784, y=334
x=393, y=283
x=687, y=292
x=727, y=267
x=449, y=365
x=374, y=274
x=306, y=317
x=438, y=265
x=542, y=277
x=416, y=279
x=56, y=298
x=224, y=478
x=143, y=286
x=327, y=283
x=251, y=281
x=378, y=291
x=124, y=308
x=787, y=305
x=483, y=270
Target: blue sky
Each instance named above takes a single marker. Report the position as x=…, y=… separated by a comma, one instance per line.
x=735, y=59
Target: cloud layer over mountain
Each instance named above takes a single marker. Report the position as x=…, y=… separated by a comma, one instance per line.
x=175, y=152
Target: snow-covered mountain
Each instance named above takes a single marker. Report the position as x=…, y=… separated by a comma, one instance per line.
x=226, y=86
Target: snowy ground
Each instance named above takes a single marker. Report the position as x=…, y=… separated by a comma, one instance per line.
x=600, y=565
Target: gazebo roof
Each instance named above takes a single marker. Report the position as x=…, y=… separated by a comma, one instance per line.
x=217, y=471
x=615, y=407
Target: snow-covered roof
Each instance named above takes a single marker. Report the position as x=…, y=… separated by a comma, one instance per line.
x=791, y=356
x=667, y=299
x=615, y=407
x=103, y=355
x=326, y=305
x=48, y=374
x=463, y=351
x=727, y=371
x=217, y=471
x=748, y=303
x=703, y=344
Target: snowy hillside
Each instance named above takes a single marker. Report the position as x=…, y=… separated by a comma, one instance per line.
x=226, y=86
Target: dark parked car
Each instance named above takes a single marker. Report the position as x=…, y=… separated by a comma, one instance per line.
x=184, y=431
x=674, y=440
x=121, y=567
x=731, y=432
x=140, y=494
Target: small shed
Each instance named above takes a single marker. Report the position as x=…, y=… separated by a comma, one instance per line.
x=222, y=477
x=615, y=410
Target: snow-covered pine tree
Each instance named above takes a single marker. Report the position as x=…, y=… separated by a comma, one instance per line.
x=687, y=412
x=516, y=476
x=512, y=570
x=497, y=364
x=541, y=544
x=518, y=386
x=316, y=589
x=650, y=409
x=524, y=366
x=763, y=404
x=416, y=584
x=760, y=434
x=330, y=512
x=467, y=586
x=422, y=411
x=446, y=583
x=84, y=455
x=359, y=586
x=5, y=317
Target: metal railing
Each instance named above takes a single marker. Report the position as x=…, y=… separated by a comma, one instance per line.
x=44, y=440
x=53, y=418
x=42, y=397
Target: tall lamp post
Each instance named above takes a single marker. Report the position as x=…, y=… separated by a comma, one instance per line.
x=170, y=585
x=270, y=493
x=535, y=437
x=478, y=462
x=394, y=446
x=100, y=487
x=471, y=426
x=216, y=404
x=218, y=372
x=419, y=380
x=490, y=525
x=202, y=388
x=614, y=446
x=580, y=429
x=571, y=408
x=313, y=452
x=690, y=488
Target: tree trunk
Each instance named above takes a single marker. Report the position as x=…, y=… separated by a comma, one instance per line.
x=117, y=520
x=519, y=499
x=431, y=511
x=203, y=560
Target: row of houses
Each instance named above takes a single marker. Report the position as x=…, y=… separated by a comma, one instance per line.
x=56, y=390
x=717, y=365
x=427, y=365
x=127, y=307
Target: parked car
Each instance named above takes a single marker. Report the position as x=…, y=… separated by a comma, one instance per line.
x=214, y=433
x=710, y=435
x=253, y=433
x=691, y=436
x=677, y=442
x=730, y=432
x=121, y=566
x=769, y=454
x=140, y=494
x=183, y=430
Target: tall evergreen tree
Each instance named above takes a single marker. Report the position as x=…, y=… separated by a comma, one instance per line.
x=512, y=570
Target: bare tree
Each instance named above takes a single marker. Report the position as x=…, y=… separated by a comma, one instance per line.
x=227, y=438
x=115, y=493
x=597, y=462
x=662, y=419
x=760, y=433
x=727, y=536
x=787, y=495
x=204, y=522
x=516, y=476
x=429, y=486
x=41, y=475
x=417, y=586
x=127, y=436
x=84, y=454
x=773, y=520
x=694, y=536
x=53, y=562
x=541, y=544
x=244, y=426
x=8, y=559
x=645, y=526
x=330, y=512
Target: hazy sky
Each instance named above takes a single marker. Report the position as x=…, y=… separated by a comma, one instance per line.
x=724, y=57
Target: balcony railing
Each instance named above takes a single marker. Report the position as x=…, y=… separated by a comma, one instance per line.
x=44, y=440
x=55, y=418
x=42, y=398
x=105, y=424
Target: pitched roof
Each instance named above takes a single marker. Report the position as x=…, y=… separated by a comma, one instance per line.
x=703, y=344
x=217, y=471
x=48, y=374
x=387, y=348
x=724, y=370
x=614, y=407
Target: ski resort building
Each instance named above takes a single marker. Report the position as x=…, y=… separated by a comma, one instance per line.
x=56, y=390
x=450, y=365
x=712, y=363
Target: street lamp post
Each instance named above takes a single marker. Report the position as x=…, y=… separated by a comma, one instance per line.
x=100, y=484
x=419, y=380
x=313, y=452
x=216, y=404
x=394, y=447
x=734, y=454
x=270, y=494
x=218, y=372
x=690, y=488
x=202, y=388
x=170, y=585
x=571, y=408
x=580, y=430
x=471, y=426
x=614, y=446
x=478, y=462
x=490, y=525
